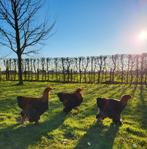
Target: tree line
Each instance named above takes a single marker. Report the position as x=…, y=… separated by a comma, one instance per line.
x=95, y=69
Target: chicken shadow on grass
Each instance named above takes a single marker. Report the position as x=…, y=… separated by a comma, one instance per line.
x=17, y=136
x=98, y=136
x=142, y=106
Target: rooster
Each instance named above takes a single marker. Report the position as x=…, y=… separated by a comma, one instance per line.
x=71, y=100
x=33, y=108
x=111, y=108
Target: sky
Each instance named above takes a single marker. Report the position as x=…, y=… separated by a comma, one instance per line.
x=93, y=27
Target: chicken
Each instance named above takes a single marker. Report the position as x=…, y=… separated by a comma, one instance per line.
x=71, y=100
x=111, y=108
x=33, y=108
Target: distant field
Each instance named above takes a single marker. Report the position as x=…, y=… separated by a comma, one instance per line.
x=79, y=131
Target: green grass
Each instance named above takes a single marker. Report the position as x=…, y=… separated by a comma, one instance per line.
x=79, y=131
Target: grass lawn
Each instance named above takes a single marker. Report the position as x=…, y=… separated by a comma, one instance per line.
x=79, y=131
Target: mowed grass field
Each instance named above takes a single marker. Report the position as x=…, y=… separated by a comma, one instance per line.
x=75, y=130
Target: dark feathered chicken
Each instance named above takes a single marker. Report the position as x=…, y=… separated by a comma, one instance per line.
x=70, y=100
x=33, y=108
x=111, y=108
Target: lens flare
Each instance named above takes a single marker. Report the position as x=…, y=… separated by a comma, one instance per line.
x=142, y=35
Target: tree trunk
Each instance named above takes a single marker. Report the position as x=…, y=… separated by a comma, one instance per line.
x=20, y=70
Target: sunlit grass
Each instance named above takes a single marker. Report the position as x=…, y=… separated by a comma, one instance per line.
x=59, y=131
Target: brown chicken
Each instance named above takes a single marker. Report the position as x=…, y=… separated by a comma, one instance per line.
x=111, y=108
x=33, y=108
x=71, y=100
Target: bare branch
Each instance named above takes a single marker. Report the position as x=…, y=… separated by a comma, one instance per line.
x=17, y=30
x=20, y=17
x=10, y=45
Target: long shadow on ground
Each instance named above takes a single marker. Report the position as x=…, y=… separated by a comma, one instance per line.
x=19, y=137
x=102, y=137
x=99, y=137
x=142, y=107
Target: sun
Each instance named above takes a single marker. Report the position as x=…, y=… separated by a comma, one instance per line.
x=142, y=36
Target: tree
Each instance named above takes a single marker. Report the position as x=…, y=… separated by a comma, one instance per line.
x=18, y=30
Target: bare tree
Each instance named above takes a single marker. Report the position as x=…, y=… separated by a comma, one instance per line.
x=18, y=30
x=114, y=60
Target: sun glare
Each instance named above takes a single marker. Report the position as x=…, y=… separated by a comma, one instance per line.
x=142, y=35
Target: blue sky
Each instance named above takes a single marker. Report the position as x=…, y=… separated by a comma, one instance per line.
x=94, y=27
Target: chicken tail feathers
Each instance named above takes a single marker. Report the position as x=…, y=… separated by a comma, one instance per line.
x=20, y=101
x=60, y=95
